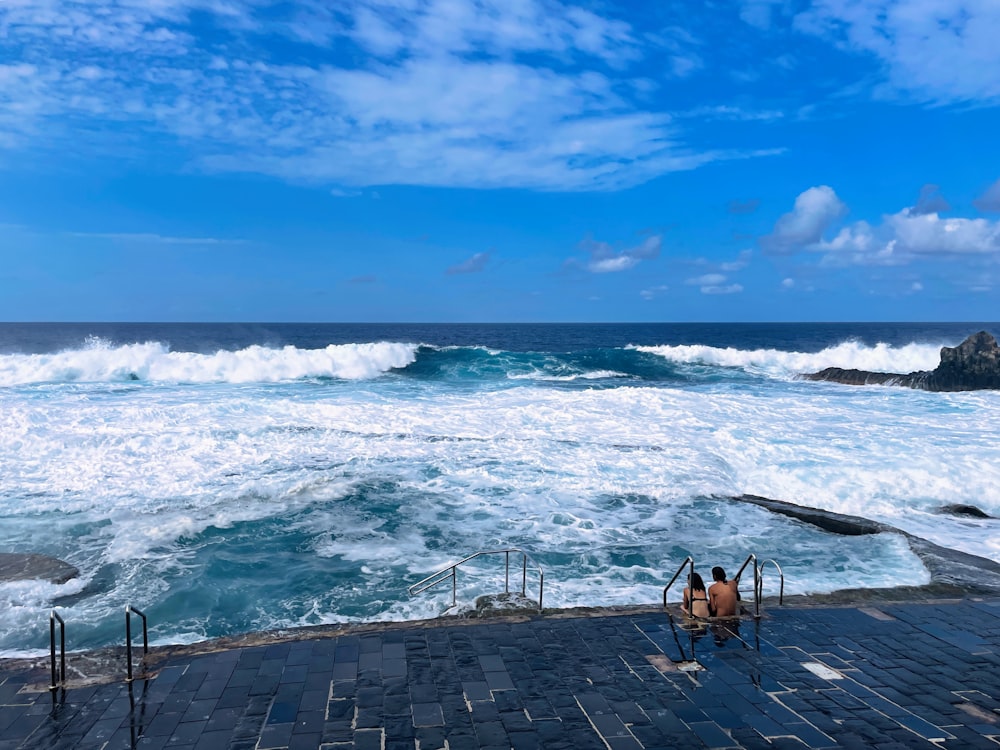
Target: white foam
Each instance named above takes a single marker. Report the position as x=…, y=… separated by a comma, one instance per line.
x=100, y=362
x=777, y=363
x=589, y=375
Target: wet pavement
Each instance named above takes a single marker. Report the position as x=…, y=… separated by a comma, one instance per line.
x=891, y=675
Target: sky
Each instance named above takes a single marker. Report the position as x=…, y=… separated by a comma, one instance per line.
x=499, y=160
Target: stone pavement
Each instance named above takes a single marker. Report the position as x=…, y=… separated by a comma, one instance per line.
x=903, y=675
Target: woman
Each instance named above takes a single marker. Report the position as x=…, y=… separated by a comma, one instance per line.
x=695, y=598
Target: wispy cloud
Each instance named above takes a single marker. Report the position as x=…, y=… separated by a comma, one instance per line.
x=933, y=51
x=606, y=259
x=475, y=264
x=469, y=93
x=714, y=283
x=654, y=291
x=148, y=238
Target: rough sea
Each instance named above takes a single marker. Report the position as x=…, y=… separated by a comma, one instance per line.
x=227, y=478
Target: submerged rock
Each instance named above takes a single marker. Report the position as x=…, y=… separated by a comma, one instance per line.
x=28, y=566
x=972, y=365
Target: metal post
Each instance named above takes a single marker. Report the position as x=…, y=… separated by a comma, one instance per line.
x=128, y=641
x=541, y=584
x=129, y=609
x=524, y=574
x=506, y=572
x=53, y=616
x=454, y=586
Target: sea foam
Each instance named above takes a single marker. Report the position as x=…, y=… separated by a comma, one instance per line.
x=102, y=362
x=777, y=363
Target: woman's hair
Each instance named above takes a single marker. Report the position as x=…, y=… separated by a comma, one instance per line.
x=696, y=583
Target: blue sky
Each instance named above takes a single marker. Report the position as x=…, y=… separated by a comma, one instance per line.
x=516, y=160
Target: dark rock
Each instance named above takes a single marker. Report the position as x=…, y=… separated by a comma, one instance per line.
x=972, y=365
x=950, y=569
x=959, y=509
x=23, y=567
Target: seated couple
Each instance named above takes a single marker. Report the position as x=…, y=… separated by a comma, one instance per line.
x=722, y=599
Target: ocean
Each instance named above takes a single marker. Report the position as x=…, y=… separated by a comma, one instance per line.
x=228, y=478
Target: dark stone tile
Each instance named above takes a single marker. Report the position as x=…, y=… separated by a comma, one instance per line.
x=282, y=713
x=427, y=715
x=305, y=741
x=275, y=736
x=491, y=733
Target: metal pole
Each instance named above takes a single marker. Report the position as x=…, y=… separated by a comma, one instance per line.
x=454, y=586
x=524, y=574
x=506, y=571
x=52, y=647
x=128, y=639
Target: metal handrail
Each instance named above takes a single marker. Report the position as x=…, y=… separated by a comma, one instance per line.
x=760, y=581
x=53, y=616
x=751, y=558
x=687, y=561
x=739, y=573
x=129, y=609
x=451, y=572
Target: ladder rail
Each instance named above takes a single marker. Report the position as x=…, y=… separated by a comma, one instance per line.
x=450, y=573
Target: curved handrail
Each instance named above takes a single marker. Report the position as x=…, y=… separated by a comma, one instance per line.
x=451, y=572
x=687, y=561
x=760, y=580
x=739, y=573
x=756, y=581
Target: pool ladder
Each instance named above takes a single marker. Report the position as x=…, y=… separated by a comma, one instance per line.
x=450, y=573
x=758, y=579
x=59, y=676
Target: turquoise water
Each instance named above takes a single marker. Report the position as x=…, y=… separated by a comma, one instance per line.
x=234, y=478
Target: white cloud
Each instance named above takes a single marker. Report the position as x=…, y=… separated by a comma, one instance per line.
x=816, y=209
x=898, y=239
x=905, y=236
x=937, y=51
x=472, y=93
x=930, y=234
x=654, y=291
x=787, y=283
x=741, y=262
x=728, y=289
x=605, y=259
x=708, y=279
x=714, y=283
x=475, y=264
x=989, y=200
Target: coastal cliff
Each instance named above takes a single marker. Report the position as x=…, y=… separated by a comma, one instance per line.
x=972, y=365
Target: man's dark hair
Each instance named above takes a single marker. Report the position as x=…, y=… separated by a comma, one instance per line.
x=718, y=574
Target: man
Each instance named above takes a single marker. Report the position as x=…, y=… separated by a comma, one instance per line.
x=723, y=595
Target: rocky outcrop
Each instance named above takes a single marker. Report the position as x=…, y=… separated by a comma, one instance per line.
x=971, y=366
x=22, y=567
x=951, y=570
x=963, y=509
